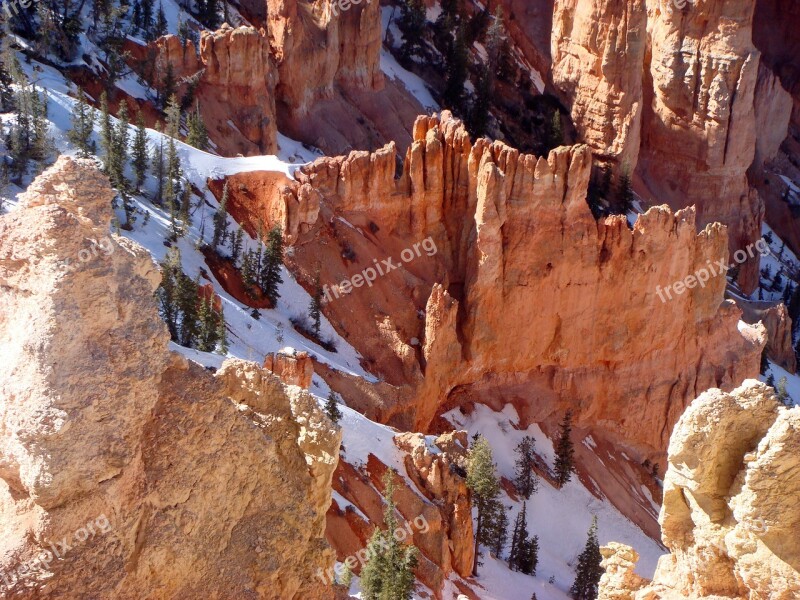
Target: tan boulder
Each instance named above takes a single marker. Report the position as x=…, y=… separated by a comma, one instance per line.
x=730, y=504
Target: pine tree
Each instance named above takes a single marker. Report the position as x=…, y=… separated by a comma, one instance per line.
x=315, y=306
x=483, y=482
x=587, y=579
x=498, y=525
x=564, y=451
x=221, y=220
x=332, y=408
x=118, y=155
x=271, y=271
x=106, y=131
x=531, y=556
x=173, y=115
x=457, y=72
x=198, y=135
x=389, y=571
x=555, y=133
x=412, y=25
x=236, y=242
x=160, y=27
x=139, y=156
x=625, y=190
x=146, y=23
x=82, y=127
x=159, y=170
x=6, y=92
x=519, y=538
x=168, y=86
x=525, y=480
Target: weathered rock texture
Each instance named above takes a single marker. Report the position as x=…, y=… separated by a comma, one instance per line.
x=530, y=282
x=778, y=324
x=435, y=506
x=598, y=51
x=292, y=369
x=235, y=81
x=675, y=87
x=730, y=509
x=176, y=469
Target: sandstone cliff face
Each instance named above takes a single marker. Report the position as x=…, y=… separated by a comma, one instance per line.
x=159, y=477
x=598, y=51
x=236, y=84
x=675, y=87
x=730, y=510
x=525, y=274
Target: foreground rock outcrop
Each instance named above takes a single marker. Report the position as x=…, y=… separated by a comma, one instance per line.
x=730, y=512
x=142, y=473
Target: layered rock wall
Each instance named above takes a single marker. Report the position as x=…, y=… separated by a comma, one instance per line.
x=530, y=282
x=145, y=473
x=235, y=83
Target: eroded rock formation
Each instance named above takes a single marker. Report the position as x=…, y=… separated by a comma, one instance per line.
x=526, y=273
x=160, y=477
x=292, y=368
x=730, y=510
x=685, y=106
x=235, y=84
x=435, y=507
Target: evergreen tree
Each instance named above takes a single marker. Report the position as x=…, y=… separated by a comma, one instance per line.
x=412, y=25
x=221, y=220
x=140, y=151
x=519, y=537
x=525, y=479
x=483, y=482
x=531, y=556
x=146, y=24
x=106, y=132
x=479, y=115
x=28, y=138
x=564, y=451
x=315, y=306
x=457, y=72
x=555, y=133
x=160, y=27
x=6, y=92
x=332, y=408
x=159, y=170
x=208, y=13
x=498, y=525
x=389, y=571
x=168, y=86
x=198, y=135
x=587, y=579
x=118, y=155
x=249, y=273
x=236, y=242
x=271, y=270
x=82, y=127
x=173, y=115
x=625, y=190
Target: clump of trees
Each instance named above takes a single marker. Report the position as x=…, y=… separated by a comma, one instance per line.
x=192, y=319
x=525, y=479
x=484, y=484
